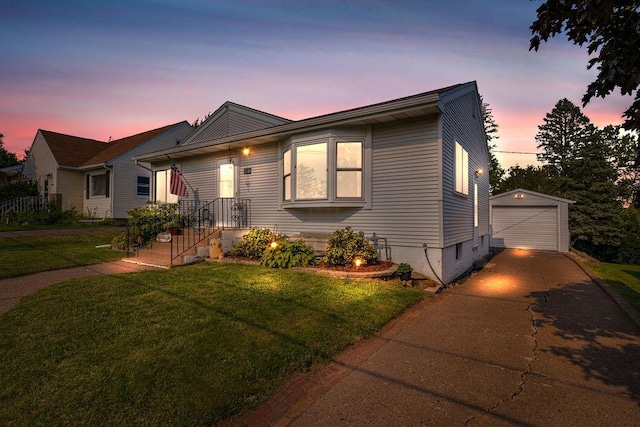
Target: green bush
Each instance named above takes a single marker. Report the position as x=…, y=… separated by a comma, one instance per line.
x=18, y=189
x=346, y=245
x=288, y=254
x=254, y=243
x=120, y=242
x=155, y=218
x=47, y=216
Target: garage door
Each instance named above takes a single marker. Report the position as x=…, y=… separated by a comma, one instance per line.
x=527, y=227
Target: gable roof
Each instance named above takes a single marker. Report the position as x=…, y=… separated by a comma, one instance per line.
x=530, y=193
x=69, y=150
x=232, y=119
x=422, y=104
x=76, y=152
x=121, y=146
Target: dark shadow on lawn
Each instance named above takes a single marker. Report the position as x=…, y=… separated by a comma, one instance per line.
x=601, y=340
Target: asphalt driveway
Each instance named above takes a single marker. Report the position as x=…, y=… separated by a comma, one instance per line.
x=529, y=340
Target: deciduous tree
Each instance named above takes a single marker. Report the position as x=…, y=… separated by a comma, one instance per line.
x=611, y=31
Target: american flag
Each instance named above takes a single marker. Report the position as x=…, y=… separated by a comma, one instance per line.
x=177, y=185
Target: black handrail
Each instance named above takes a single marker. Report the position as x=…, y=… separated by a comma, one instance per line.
x=202, y=219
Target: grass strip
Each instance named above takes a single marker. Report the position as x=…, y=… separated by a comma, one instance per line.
x=187, y=346
x=34, y=254
x=623, y=278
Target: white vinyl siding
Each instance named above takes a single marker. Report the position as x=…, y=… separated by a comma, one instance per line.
x=462, y=125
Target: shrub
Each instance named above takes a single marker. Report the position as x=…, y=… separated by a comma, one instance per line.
x=404, y=268
x=18, y=189
x=47, y=216
x=346, y=245
x=120, y=242
x=155, y=218
x=254, y=243
x=288, y=254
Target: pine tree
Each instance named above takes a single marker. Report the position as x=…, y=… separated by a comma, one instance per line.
x=564, y=132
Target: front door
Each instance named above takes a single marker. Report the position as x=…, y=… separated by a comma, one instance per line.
x=226, y=193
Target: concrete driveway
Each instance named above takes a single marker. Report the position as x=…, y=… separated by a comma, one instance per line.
x=529, y=340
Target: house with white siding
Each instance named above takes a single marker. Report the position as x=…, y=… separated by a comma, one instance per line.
x=411, y=171
x=94, y=177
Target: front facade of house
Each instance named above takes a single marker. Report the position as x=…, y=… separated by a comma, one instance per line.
x=412, y=171
x=97, y=178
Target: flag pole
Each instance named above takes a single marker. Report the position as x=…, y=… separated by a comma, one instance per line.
x=173, y=165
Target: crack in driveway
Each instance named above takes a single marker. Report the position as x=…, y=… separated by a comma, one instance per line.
x=527, y=371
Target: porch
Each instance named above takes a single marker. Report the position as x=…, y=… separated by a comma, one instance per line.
x=183, y=234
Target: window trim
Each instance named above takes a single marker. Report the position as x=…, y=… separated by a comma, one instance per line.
x=360, y=134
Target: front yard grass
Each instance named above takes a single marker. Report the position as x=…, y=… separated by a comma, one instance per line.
x=34, y=254
x=188, y=346
x=623, y=278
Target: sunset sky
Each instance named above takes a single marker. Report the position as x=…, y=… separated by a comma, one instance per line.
x=111, y=69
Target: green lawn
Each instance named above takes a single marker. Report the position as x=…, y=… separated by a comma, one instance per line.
x=188, y=346
x=28, y=255
x=623, y=278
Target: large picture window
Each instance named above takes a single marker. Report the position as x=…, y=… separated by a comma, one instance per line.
x=311, y=171
x=99, y=185
x=462, y=170
x=329, y=169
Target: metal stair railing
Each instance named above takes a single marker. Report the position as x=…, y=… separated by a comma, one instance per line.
x=202, y=219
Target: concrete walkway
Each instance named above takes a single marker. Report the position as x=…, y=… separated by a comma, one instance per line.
x=13, y=289
x=529, y=340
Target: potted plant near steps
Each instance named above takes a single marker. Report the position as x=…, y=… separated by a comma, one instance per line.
x=404, y=271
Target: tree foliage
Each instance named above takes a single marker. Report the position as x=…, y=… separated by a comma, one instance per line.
x=6, y=158
x=611, y=31
x=594, y=168
x=496, y=172
x=565, y=130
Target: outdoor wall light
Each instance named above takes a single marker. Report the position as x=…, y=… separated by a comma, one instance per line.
x=246, y=151
x=479, y=172
x=519, y=196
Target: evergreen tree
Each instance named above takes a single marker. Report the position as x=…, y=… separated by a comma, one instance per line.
x=540, y=179
x=496, y=171
x=590, y=179
x=564, y=132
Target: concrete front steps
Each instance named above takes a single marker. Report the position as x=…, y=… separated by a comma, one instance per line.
x=159, y=254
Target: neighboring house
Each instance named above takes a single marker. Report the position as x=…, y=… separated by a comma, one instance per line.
x=528, y=220
x=97, y=178
x=414, y=171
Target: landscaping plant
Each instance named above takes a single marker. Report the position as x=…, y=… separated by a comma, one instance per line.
x=254, y=243
x=287, y=254
x=346, y=245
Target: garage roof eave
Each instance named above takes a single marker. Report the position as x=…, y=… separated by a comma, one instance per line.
x=531, y=193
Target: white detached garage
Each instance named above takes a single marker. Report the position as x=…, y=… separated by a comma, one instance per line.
x=529, y=220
